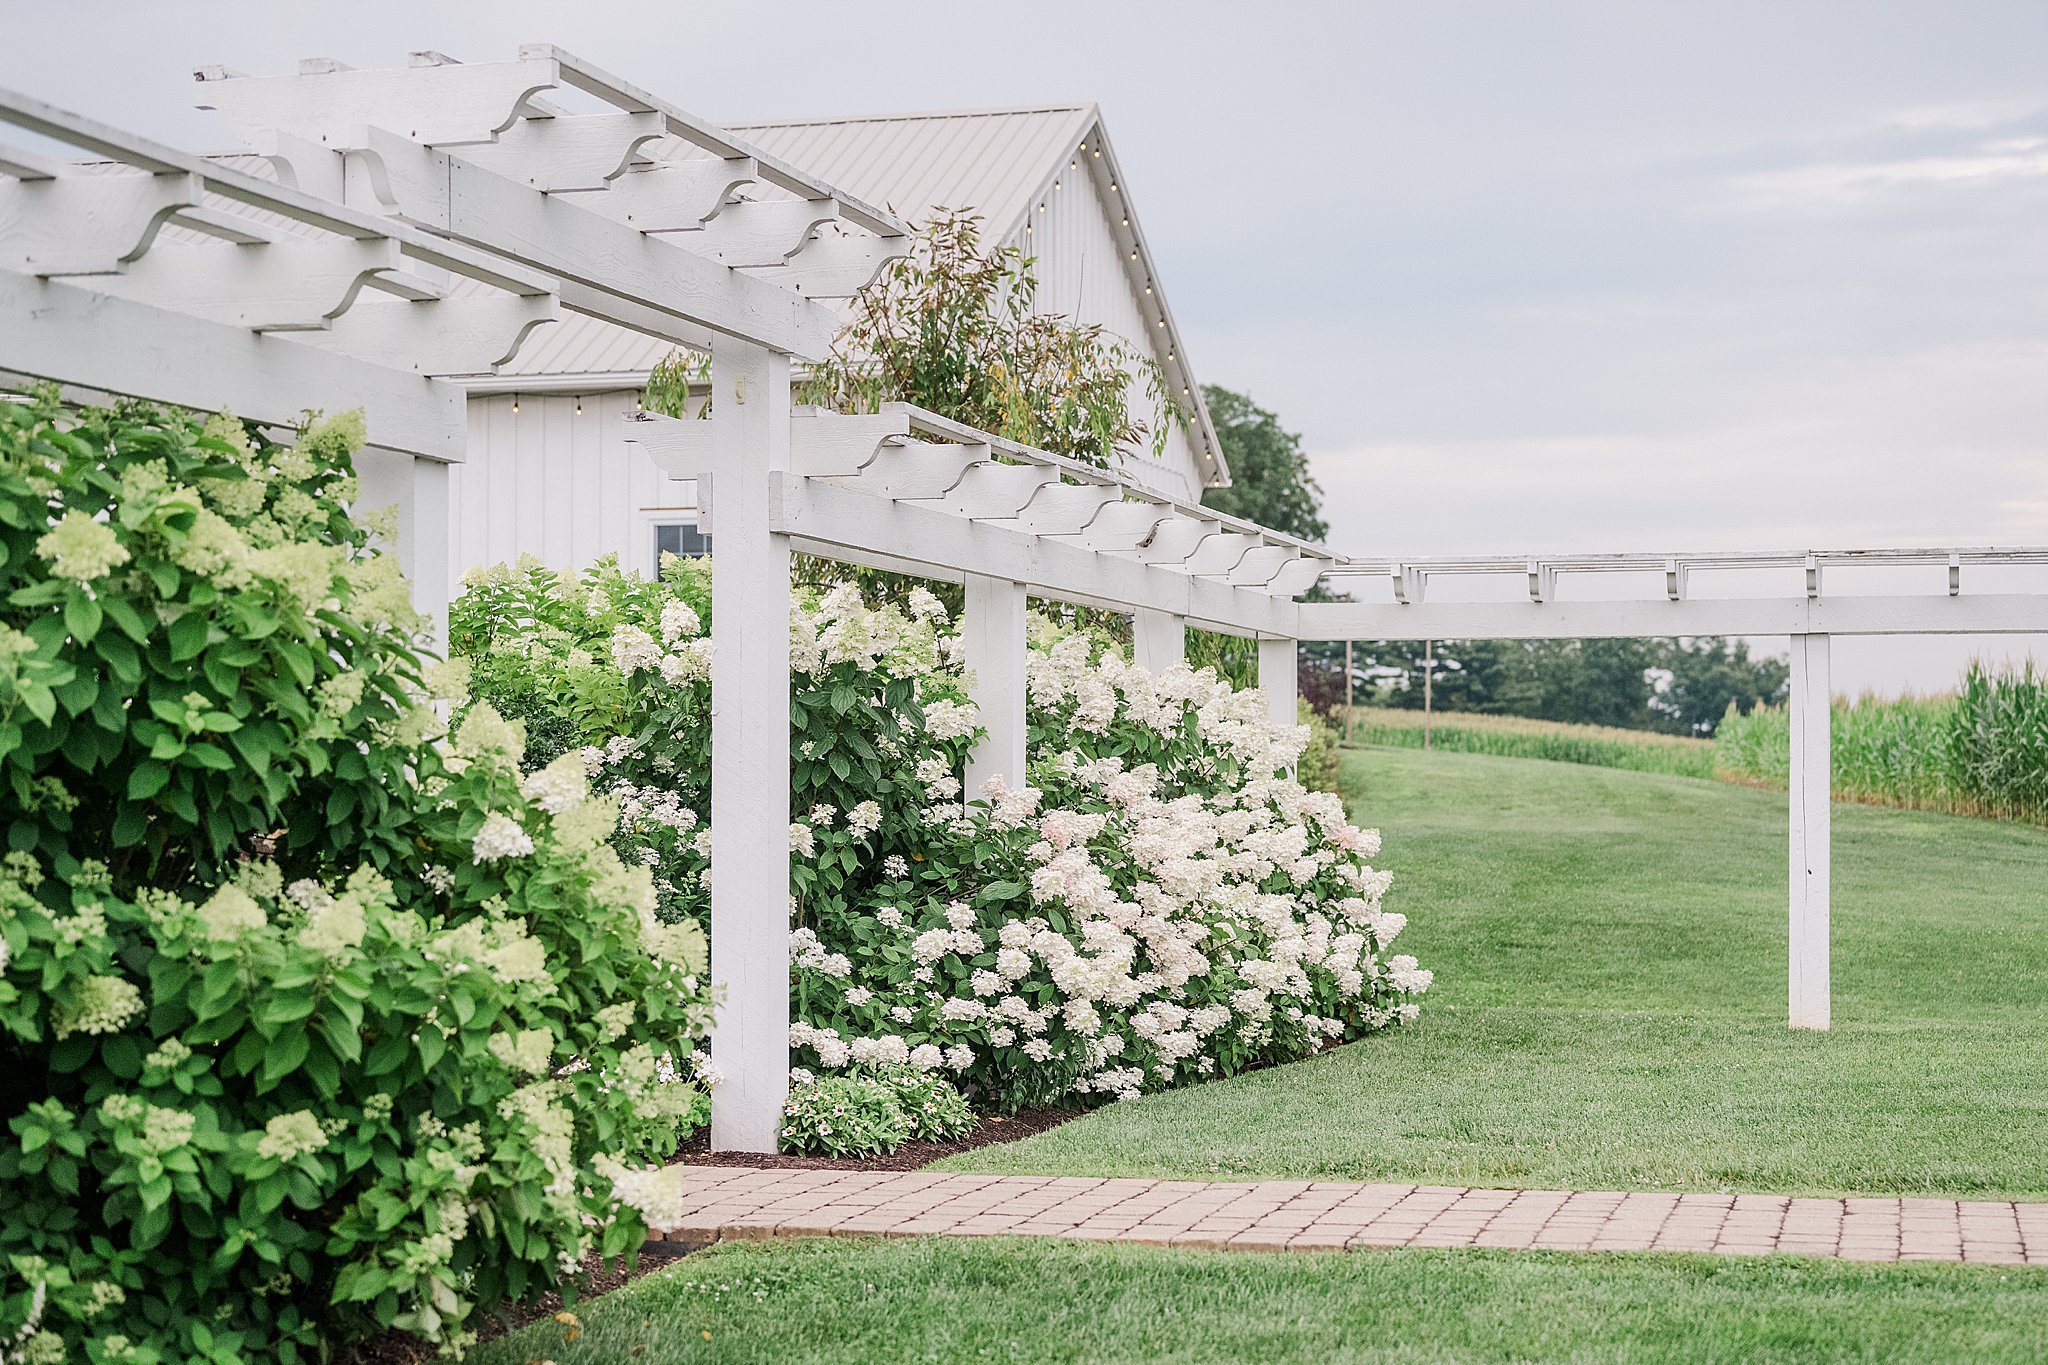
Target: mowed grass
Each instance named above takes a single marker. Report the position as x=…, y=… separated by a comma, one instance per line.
x=1609, y=1008
x=850, y=1302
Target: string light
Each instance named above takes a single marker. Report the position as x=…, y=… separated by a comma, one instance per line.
x=579, y=405
x=1073, y=165
x=515, y=405
x=1112, y=187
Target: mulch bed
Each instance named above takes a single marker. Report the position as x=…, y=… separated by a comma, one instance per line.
x=910, y=1156
x=401, y=1348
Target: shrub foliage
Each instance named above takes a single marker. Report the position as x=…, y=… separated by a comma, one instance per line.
x=1161, y=903
x=312, y=1022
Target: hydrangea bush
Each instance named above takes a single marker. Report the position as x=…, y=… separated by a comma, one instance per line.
x=312, y=1020
x=1162, y=903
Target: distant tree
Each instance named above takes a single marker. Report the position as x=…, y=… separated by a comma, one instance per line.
x=1706, y=675
x=1270, y=482
x=1682, y=686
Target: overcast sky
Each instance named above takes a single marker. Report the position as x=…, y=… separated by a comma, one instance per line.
x=1557, y=276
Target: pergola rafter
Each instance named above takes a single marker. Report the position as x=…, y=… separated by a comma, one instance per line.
x=640, y=203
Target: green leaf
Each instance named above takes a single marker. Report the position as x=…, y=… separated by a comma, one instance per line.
x=188, y=636
x=285, y=1054
x=82, y=616
x=146, y=779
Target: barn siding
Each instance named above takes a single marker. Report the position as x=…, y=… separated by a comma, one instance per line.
x=564, y=487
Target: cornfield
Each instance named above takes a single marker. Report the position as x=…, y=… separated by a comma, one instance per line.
x=1982, y=751
x=1519, y=737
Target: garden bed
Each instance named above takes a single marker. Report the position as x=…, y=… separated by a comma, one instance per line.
x=910, y=1156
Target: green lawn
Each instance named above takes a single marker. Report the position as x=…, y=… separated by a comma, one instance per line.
x=1610, y=1003
x=852, y=1302
x=1609, y=1012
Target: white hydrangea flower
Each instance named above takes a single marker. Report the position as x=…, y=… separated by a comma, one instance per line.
x=501, y=837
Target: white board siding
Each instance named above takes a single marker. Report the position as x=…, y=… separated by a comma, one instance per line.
x=562, y=486
x=1083, y=274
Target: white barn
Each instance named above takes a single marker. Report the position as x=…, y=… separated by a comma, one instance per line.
x=549, y=472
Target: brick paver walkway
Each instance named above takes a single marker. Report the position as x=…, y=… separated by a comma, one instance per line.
x=743, y=1202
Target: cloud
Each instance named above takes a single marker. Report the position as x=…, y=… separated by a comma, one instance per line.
x=1837, y=184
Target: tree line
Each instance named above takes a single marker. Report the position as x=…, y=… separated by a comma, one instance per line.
x=1680, y=686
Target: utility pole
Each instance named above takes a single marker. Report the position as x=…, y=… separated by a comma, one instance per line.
x=1428, y=674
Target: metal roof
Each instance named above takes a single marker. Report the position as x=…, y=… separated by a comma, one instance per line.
x=993, y=161
x=997, y=162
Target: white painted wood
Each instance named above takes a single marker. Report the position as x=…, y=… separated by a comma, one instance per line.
x=750, y=802
x=572, y=152
x=834, y=265
x=438, y=105
x=427, y=536
x=461, y=336
x=992, y=633
x=671, y=196
x=1278, y=680
x=766, y=232
x=669, y=285
x=1812, y=708
x=1063, y=508
x=1295, y=577
x=913, y=471
x=1121, y=526
x=1220, y=554
x=289, y=286
x=1159, y=640
x=87, y=225
x=991, y=490
x=1967, y=614
x=28, y=165
x=825, y=514
x=1174, y=539
x=74, y=335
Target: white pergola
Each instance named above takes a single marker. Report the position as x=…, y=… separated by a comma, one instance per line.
x=424, y=220
x=1738, y=593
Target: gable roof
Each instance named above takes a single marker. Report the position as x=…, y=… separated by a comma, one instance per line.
x=1002, y=163
x=994, y=161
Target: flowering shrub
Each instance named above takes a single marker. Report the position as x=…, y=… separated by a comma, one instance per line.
x=310, y=1022
x=843, y=1116
x=873, y=1110
x=1163, y=903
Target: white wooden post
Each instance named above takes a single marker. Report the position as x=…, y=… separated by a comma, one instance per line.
x=432, y=531
x=992, y=630
x=1812, y=702
x=749, y=749
x=1159, y=640
x=1277, y=679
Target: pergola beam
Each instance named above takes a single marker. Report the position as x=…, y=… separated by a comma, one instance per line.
x=62, y=332
x=1904, y=614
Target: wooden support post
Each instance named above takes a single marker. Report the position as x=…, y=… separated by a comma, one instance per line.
x=1159, y=640
x=427, y=560
x=749, y=749
x=1347, y=691
x=1278, y=680
x=1812, y=703
x=992, y=630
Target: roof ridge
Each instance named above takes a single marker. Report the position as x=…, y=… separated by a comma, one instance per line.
x=927, y=116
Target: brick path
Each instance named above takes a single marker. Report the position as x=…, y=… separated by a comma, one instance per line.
x=743, y=1202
